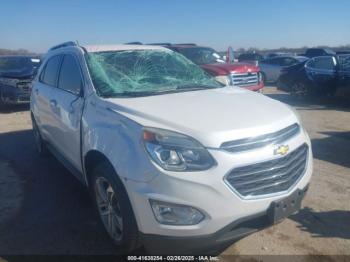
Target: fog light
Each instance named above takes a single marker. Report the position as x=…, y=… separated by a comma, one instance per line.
x=172, y=214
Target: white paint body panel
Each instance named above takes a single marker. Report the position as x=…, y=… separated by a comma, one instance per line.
x=114, y=128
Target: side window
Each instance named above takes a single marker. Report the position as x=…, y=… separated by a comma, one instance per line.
x=70, y=78
x=272, y=61
x=276, y=61
x=288, y=61
x=49, y=74
x=322, y=63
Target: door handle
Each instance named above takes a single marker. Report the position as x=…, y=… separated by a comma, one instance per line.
x=53, y=102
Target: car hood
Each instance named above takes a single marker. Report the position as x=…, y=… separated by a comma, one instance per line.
x=18, y=74
x=211, y=116
x=226, y=68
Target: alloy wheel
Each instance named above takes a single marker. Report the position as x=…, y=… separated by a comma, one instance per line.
x=109, y=208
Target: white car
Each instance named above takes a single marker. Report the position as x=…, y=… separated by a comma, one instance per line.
x=175, y=161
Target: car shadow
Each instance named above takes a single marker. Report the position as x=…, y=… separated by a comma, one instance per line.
x=332, y=224
x=335, y=148
x=56, y=215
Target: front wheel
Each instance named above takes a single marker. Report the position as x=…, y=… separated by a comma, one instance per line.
x=39, y=141
x=299, y=89
x=114, y=207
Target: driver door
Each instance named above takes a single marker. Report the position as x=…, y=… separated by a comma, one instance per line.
x=321, y=71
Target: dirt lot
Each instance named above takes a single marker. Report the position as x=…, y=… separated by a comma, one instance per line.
x=44, y=210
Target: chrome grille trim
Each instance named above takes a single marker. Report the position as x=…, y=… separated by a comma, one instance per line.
x=245, y=79
x=261, y=141
x=270, y=177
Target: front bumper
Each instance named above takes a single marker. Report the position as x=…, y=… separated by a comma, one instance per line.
x=256, y=88
x=225, y=211
x=13, y=95
x=212, y=244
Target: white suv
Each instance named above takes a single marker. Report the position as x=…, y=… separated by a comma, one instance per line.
x=174, y=161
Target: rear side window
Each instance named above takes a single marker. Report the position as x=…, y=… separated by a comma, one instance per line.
x=322, y=63
x=70, y=78
x=49, y=74
x=272, y=61
x=288, y=61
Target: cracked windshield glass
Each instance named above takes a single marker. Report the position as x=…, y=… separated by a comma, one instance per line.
x=145, y=72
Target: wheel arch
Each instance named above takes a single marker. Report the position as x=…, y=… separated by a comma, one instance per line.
x=91, y=159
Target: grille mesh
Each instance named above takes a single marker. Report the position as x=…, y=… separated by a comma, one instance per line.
x=245, y=79
x=261, y=141
x=269, y=177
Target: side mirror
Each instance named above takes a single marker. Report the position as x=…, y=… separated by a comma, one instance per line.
x=230, y=58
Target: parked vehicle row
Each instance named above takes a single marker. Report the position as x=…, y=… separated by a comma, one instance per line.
x=225, y=70
x=318, y=75
x=175, y=161
x=16, y=75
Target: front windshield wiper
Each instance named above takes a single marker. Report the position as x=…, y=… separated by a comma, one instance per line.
x=190, y=87
x=137, y=93
x=179, y=88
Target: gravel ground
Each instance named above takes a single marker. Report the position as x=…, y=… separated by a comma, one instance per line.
x=44, y=210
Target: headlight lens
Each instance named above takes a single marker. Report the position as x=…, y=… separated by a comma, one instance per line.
x=226, y=80
x=172, y=214
x=176, y=152
x=260, y=77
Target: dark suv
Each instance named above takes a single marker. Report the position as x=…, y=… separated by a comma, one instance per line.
x=16, y=75
x=322, y=75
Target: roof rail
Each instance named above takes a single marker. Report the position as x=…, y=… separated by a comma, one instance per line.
x=134, y=43
x=191, y=44
x=65, y=44
x=161, y=44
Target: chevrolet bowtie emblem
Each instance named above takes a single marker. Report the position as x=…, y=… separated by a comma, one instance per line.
x=281, y=150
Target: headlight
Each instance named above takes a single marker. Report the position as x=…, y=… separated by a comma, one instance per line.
x=260, y=76
x=226, y=80
x=176, y=152
x=172, y=214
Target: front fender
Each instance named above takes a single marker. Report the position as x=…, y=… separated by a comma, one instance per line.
x=118, y=138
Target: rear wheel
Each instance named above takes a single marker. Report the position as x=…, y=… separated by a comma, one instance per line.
x=114, y=207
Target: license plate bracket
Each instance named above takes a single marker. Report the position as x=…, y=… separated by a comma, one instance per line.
x=285, y=207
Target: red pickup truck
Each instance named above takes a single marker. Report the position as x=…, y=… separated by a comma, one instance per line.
x=238, y=74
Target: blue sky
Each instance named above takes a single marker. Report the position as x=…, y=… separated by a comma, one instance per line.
x=38, y=24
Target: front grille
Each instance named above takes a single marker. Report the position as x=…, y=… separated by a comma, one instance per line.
x=269, y=177
x=245, y=79
x=261, y=141
x=24, y=86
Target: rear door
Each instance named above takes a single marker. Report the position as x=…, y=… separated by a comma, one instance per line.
x=271, y=68
x=41, y=96
x=68, y=103
x=322, y=71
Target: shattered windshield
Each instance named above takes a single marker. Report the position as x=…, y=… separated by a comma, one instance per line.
x=202, y=55
x=145, y=72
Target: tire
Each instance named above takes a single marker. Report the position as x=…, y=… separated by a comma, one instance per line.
x=299, y=89
x=40, y=143
x=263, y=78
x=114, y=208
